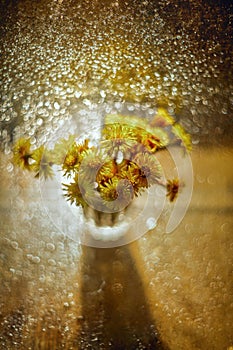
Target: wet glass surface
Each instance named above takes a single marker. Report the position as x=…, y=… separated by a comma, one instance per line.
x=64, y=61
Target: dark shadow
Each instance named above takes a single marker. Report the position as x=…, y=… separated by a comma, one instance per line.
x=115, y=311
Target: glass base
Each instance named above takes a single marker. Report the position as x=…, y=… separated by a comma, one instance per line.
x=105, y=226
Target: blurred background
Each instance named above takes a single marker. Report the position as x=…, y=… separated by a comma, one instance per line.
x=69, y=61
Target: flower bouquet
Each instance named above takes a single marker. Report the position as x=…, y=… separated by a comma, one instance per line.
x=104, y=179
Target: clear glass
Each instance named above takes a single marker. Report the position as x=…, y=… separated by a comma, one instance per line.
x=69, y=60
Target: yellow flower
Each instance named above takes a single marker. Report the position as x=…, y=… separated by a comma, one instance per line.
x=108, y=189
x=108, y=170
x=130, y=120
x=74, y=157
x=162, y=118
x=160, y=135
x=42, y=164
x=173, y=189
x=82, y=192
x=183, y=137
x=74, y=195
x=153, y=139
x=118, y=137
x=117, y=193
x=140, y=125
x=131, y=172
x=125, y=191
x=150, y=171
x=150, y=141
x=22, y=153
x=93, y=161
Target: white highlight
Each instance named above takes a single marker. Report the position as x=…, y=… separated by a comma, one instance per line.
x=151, y=223
x=106, y=233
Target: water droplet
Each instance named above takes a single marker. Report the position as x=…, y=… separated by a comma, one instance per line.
x=39, y=121
x=10, y=167
x=78, y=94
x=87, y=102
x=52, y=262
x=131, y=107
x=151, y=223
x=14, y=244
x=200, y=178
x=102, y=93
x=35, y=259
x=50, y=246
x=42, y=278
x=224, y=111
x=56, y=106
x=29, y=256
